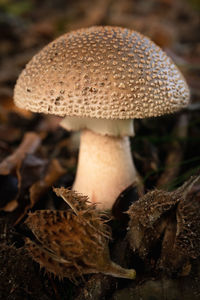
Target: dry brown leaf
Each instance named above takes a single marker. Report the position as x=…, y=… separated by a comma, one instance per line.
x=38, y=189
x=10, y=206
x=30, y=170
x=7, y=105
x=38, y=180
x=29, y=144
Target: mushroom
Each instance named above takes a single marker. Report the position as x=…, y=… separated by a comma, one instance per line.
x=99, y=79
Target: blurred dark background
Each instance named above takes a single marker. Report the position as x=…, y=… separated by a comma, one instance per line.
x=27, y=25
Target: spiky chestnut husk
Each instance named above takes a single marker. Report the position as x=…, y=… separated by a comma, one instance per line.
x=73, y=242
x=171, y=219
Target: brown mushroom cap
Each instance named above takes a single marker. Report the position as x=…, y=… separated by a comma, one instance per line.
x=102, y=72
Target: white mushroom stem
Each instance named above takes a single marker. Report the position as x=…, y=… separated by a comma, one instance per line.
x=105, y=168
x=103, y=126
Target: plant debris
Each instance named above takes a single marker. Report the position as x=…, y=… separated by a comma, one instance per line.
x=29, y=145
x=73, y=242
x=18, y=279
x=165, y=151
x=169, y=221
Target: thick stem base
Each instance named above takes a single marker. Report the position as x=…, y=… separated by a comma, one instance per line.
x=105, y=168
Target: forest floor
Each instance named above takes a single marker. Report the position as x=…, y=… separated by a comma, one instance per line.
x=36, y=155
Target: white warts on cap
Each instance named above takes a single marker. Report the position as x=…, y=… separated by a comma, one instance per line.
x=102, y=72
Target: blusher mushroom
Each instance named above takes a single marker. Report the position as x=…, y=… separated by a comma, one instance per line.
x=99, y=79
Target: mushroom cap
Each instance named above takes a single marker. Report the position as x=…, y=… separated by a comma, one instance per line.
x=102, y=72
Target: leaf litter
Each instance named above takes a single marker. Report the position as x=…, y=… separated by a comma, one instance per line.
x=31, y=166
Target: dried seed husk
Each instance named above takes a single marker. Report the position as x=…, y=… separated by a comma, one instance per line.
x=169, y=221
x=73, y=242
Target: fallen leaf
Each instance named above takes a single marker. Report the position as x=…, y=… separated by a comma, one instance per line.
x=29, y=144
x=30, y=170
x=47, y=177
x=7, y=105
x=38, y=189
